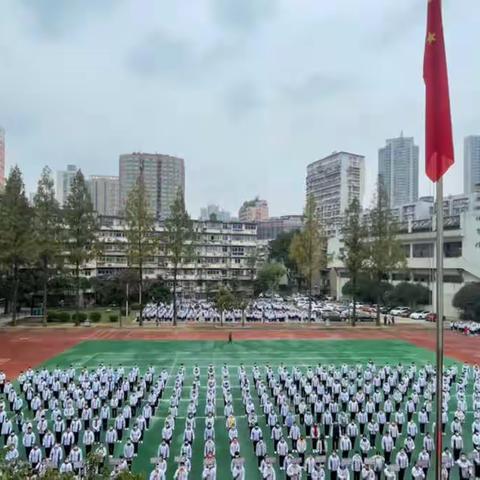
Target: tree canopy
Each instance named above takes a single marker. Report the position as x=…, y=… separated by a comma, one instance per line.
x=467, y=299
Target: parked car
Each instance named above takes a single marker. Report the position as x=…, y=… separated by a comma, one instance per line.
x=418, y=315
x=431, y=317
x=400, y=311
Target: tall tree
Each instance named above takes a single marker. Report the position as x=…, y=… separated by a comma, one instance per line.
x=142, y=242
x=385, y=252
x=16, y=242
x=279, y=251
x=179, y=242
x=82, y=228
x=47, y=225
x=308, y=248
x=224, y=300
x=269, y=276
x=355, y=250
x=252, y=261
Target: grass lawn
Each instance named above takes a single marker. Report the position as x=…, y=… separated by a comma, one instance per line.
x=171, y=355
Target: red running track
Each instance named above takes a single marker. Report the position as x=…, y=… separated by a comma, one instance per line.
x=27, y=347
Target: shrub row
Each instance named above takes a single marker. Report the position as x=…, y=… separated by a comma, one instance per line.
x=65, y=317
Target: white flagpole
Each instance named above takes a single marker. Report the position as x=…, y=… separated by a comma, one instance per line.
x=439, y=311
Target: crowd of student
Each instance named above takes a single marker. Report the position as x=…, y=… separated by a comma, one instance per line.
x=466, y=327
x=363, y=422
x=203, y=311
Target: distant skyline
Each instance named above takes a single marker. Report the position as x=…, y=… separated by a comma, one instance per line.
x=248, y=93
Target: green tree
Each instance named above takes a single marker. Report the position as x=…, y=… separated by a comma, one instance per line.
x=385, y=252
x=224, y=300
x=279, y=251
x=411, y=294
x=308, y=248
x=82, y=228
x=355, y=250
x=368, y=290
x=252, y=261
x=179, y=242
x=269, y=276
x=47, y=225
x=142, y=242
x=467, y=299
x=16, y=240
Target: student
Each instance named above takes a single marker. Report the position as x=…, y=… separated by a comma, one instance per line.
x=35, y=457
x=67, y=441
x=110, y=439
x=402, y=462
x=128, y=452
x=333, y=465
x=76, y=457
x=237, y=468
x=28, y=441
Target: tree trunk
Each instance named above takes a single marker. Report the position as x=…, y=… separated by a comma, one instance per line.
x=243, y=317
x=14, y=295
x=45, y=292
x=140, y=292
x=354, y=309
x=378, y=304
x=310, y=298
x=175, y=295
x=77, y=294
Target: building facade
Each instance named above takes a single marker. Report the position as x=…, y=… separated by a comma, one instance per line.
x=334, y=181
x=220, y=214
x=398, y=170
x=105, y=193
x=223, y=253
x=461, y=253
x=471, y=163
x=64, y=183
x=255, y=210
x=270, y=229
x=2, y=157
x=163, y=175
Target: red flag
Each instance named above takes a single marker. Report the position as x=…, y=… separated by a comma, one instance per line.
x=438, y=126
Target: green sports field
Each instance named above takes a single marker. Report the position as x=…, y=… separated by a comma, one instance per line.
x=171, y=355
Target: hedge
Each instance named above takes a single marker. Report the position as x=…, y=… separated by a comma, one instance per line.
x=63, y=317
x=113, y=318
x=95, y=317
x=79, y=317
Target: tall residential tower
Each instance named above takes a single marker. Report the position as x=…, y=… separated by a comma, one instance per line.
x=105, y=193
x=163, y=175
x=64, y=183
x=471, y=169
x=2, y=157
x=398, y=170
x=334, y=181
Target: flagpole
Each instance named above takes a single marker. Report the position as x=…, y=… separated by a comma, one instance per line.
x=439, y=324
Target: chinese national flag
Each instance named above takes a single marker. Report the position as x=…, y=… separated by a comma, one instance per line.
x=438, y=134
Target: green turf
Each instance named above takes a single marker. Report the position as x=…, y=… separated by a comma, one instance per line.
x=170, y=355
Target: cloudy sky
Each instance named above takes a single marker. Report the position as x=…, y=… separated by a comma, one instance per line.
x=247, y=91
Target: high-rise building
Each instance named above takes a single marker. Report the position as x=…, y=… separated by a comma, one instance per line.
x=105, y=193
x=334, y=181
x=64, y=183
x=214, y=211
x=398, y=170
x=270, y=229
x=471, y=169
x=255, y=210
x=2, y=157
x=163, y=175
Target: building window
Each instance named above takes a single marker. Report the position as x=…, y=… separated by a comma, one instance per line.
x=453, y=278
x=422, y=250
x=452, y=249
